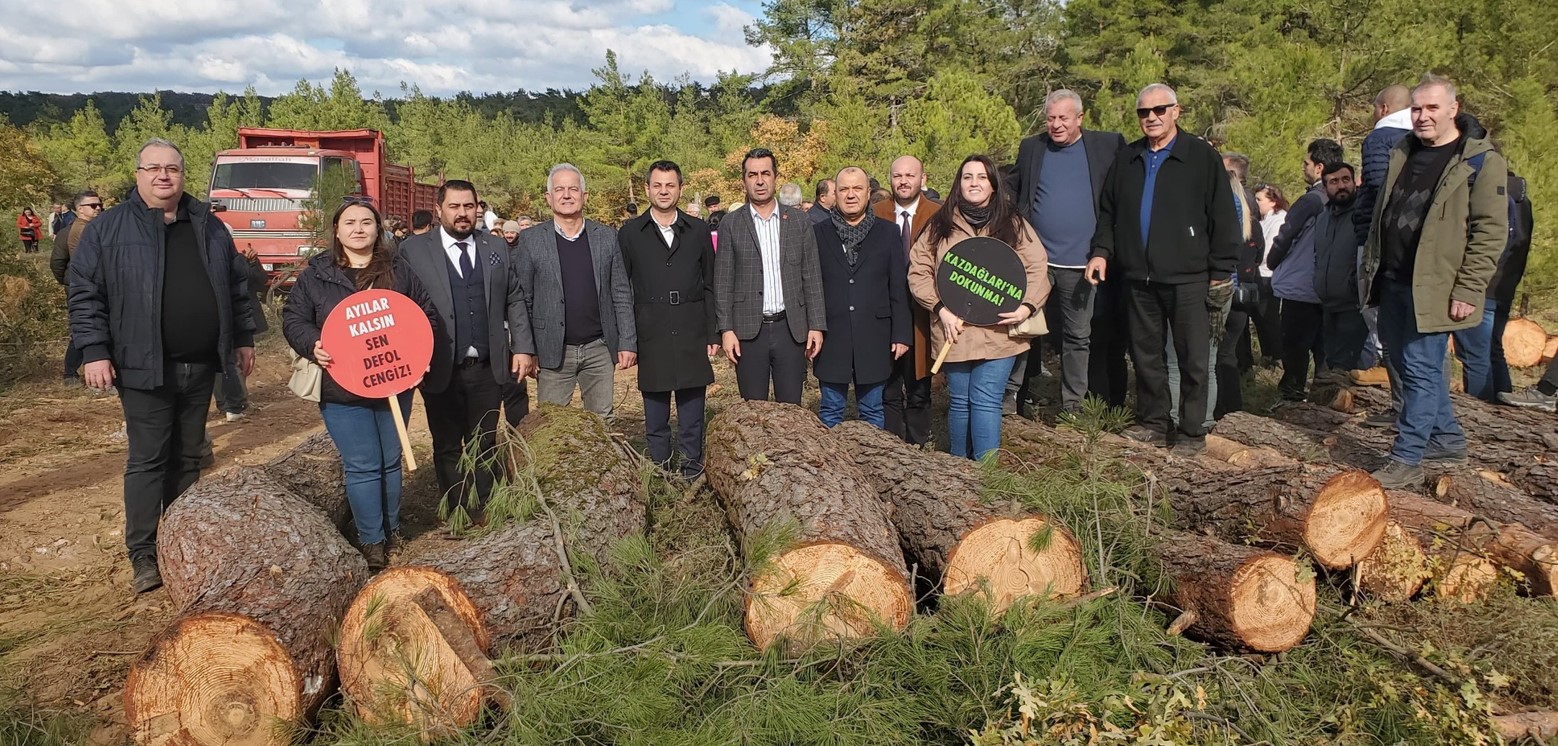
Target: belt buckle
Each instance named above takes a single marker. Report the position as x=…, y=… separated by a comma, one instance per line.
x=674, y=298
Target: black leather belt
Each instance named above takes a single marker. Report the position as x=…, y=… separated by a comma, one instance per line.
x=471, y=362
x=774, y=318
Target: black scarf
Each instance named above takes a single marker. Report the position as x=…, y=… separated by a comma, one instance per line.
x=977, y=217
x=852, y=235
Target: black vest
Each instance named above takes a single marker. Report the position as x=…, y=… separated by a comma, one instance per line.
x=470, y=306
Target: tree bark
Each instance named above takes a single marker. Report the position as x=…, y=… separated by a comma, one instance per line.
x=959, y=540
x=1487, y=494
x=312, y=470
x=416, y=641
x=1305, y=432
x=1337, y=515
x=1238, y=597
x=1532, y=557
x=1438, y=545
x=835, y=568
x=260, y=578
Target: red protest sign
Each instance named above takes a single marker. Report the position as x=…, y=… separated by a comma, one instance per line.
x=380, y=343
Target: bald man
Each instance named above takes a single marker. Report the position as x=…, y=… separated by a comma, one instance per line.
x=906, y=398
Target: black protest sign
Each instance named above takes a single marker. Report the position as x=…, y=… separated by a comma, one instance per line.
x=981, y=278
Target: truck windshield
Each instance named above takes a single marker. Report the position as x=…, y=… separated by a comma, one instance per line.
x=265, y=175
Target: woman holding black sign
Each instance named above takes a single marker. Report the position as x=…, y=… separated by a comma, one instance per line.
x=359, y=257
x=980, y=357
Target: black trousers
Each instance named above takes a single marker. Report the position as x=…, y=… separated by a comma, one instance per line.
x=1268, y=321
x=1154, y=309
x=1108, y=378
x=465, y=411
x=689, y=428
x=165, y=428
x=1301, y=341
x=773, y=355
x=516, y=402
x=906, y=402
x=1343, y=335
x=1236, y=339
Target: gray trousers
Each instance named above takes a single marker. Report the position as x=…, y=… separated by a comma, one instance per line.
x=587, y=367
x=1070, y=317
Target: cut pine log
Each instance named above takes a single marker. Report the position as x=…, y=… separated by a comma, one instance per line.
x=260, y=578
x=1244, y=456
x=958, y=539
x=1336, y=515
x=1524, y=342
x=1235, y=596
x=843, y=574
x=1489, y=495
x=1436, y=545
x=312, y=470
x=415, y=643
x=1395, y=571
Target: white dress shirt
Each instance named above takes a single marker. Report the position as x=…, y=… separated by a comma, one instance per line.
x=767, y=230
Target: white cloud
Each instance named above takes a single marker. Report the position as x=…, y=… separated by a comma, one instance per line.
x=445, y=48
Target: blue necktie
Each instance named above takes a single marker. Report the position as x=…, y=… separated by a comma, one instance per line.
x=465, y=260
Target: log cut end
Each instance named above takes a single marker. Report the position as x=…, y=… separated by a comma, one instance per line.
x=1346, y=520
x=1395, y=571
x=1002, y=558
x=413, y=651
x=1534, y=557
x=1524, y=342
x=1271, y=607
x=215, y=678
x=823, y=592
x=1465, y=577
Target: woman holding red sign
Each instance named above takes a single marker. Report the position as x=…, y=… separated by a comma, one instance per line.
x=364, y=431
x=980, y=357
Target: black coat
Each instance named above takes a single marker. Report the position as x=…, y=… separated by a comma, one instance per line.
x=868, y=305
x=320, y=287
x=1194, y=233
x=674, y=331
x=115, y=289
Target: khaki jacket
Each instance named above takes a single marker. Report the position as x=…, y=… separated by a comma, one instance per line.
x=976, y=342
x=1465, y=233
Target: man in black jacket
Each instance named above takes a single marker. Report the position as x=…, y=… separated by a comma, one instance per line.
x=159, y=305
x=1166, y=223
x=1343, y=331
x=88, y=206
x=1051, y=168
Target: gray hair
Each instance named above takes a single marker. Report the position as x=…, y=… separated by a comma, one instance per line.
x=1240, y=164
x=559, y=168
x=1064, y=94
x=790, y=194
x=158, y=142
x=1430, y=80
x=1156, y=87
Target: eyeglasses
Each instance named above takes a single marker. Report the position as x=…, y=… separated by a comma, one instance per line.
x=93, y=205
x=1154, y=110
x=169, y=170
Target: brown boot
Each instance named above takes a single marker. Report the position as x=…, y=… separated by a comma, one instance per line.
x=375, y=554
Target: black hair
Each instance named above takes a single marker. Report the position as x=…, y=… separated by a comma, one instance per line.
x=630, y=208
x=664, y=166
x=421, y=219
x=711, y=200
x=757, y=153
x=1325, y=151
x=455, y=185
x=824, y=188
x=1331, y=168
x=85, y=193
x=1004, y=220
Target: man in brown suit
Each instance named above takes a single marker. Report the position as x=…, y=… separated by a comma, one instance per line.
x=906, y=400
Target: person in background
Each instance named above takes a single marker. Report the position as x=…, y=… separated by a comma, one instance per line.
x=1268, y=319
x=29, y=227
x=489, y=219
x=790, y=195
x=61, y=219
x=88, y=206
x=981, y=357
x=693, y=208
x=864, y=274
x=525, y=223
x=511, y=231
x=421, y=222
x=1292, y=262
x=1343, y=331
x=821, y=209
x=358, y=258
x=232, y=392
x=669, y=258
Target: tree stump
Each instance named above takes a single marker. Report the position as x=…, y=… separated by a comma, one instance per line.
x=416, y=641
x=957, y=538
x=1238, y=597
x=312, y=470
x=260, y=578
x=1337, y=515
x=1524, y=342
x=841, y=574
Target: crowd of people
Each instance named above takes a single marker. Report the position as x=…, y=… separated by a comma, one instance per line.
x=1153, y=250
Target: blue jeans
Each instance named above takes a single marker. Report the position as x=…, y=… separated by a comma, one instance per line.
x=974, y=414
x=1474, y=347
x=1426, y=419
x=370, y=455
x=868, y=400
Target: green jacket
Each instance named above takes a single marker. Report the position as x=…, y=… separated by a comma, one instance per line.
x=1466, y=230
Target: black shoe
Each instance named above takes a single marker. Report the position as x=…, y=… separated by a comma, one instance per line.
x=1382, y=418
x=147, y=578
x=1445, y=457
x=1188, y=447
x=1398, y=476
x=1143, y=434
x=1008, y=405
x=376, y=556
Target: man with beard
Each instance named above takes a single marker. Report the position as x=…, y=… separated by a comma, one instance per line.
x=906, y=398
x=865, y=285
x=1342, y=330
x=472, y=282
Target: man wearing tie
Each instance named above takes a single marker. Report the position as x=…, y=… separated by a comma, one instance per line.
x=906, y=399
x=768, y=287
x=486, y=342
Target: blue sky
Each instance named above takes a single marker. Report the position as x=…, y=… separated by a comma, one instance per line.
x=444, y=46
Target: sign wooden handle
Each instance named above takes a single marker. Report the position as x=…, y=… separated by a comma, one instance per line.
x=941, y=357
x=407, y=458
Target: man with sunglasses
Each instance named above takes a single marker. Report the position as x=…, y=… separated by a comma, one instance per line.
x=1166, y=226
x=159, y=306
x=87, y=206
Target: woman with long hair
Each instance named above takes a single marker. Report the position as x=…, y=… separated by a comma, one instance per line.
x=29, y=227
x=359, y=258
x=981, y=357
x=1273, y=208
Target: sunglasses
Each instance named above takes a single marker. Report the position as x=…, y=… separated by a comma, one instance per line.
x=93, y=205
x=1154, y=110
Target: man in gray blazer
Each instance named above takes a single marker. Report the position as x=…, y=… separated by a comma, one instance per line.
x=486, y=340
x=581, y=300
x=768, y=287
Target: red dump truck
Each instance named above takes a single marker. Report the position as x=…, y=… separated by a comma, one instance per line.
x=259, y=189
